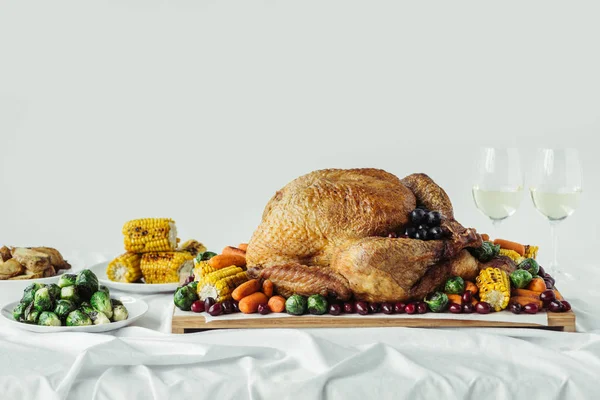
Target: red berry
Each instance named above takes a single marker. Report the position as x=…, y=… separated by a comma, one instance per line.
x=198, y=306
x=410, y=308
x=399, y=308
x=387, y=308
x=349, y=307
x=362, y=307
x=421, y=307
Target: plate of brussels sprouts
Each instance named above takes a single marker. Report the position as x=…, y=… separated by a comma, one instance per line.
x=74, y=303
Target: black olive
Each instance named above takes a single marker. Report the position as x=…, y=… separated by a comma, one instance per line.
x=433, y=218
x=421, y=234
x=435, y=233
x=416, y=216
x=410, y=232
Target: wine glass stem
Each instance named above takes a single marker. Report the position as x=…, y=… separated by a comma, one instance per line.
x=554, y=234
x=496, y=224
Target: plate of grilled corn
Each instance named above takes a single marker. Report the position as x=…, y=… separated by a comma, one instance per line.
x=154, y=260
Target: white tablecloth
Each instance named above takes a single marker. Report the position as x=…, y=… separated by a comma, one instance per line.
x=145, y=362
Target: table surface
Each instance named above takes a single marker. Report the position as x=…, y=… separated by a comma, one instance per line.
x=145, y=361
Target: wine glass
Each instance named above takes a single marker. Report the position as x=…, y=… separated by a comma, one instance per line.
x=556, y=187
x=498, y=187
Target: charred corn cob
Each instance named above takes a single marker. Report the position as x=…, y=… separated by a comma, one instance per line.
x=192, y=246
x=166, y=267
x=513, y=255
x=494, y=287
x=220, y=284
x=202, y=268
x=531, y=251
x=125, y=268
x=150, y=235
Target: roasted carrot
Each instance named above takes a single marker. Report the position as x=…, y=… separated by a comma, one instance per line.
x=454, y=298
x=558, y=295
x=225, y=260
x=276, y=304
x=470, y=286
x=233, y=251
x=249, y=304
x=508, y=245
x=267, y=288
x=243, y=246
x=522, y=300
x=525, y=293
x=485, y=237
x=246, y=289
x=536, y=285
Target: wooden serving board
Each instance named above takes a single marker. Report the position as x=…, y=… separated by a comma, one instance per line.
x=189, y=322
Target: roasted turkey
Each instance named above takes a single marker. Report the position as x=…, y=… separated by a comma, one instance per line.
x=326, y=232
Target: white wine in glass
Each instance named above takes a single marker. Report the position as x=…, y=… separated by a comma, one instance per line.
x=555, y=191
x=498, y=187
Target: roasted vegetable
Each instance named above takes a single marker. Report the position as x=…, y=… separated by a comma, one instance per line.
x=530, y=265
x=520, y=278
x=42, y=300
x=120, y=313
x=70, y=293
x=513, y=255
x=317, y=304
x=494, y=287
x=455, y=285
x=184, y=297
x=437, y=301
x=48, y=318
x=101, y=302
x=98, y=318
x=295, y=304
x=67, y=280
x=150, y=234
x=115, y=302
x=166, y=267
x=102, y=288
x=32, y=316
x=54, y=291
x=86, y=283
x=29, y=292
x=486, y=252
x=19, y=311
x=63, y=308
x=220, y=284
x=531, y=251
x=78, y=318
x=86, y=308
x=125, y=268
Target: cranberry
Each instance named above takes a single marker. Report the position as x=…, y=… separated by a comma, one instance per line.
x=566, y=305
x=387, y=308
x=421, y=307
x=263, y=309
x=555, y=306
x=374, y=308
x=198, y=306
x=209, y=301
x=467, y=297
x=516, y=308
x=349, y=307
x=335, y=309
x=362, y=307
x=216, y=309
x=483, y=308
x=399, y=308
x=455, y=308
x=531, y=308
x=410, y=308
x=468, y=308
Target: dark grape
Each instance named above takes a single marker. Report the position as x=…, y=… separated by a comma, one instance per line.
x=387, y=308
x=209, y=301
x=422, y=226
x=455, y=308
x=189, y=280
x=216, y=309
x=421, y=234
x=483, y=308
x=468, y=308
x=542, y=272
x=555, y=306
x=566, y=305
x=433, y=218
x=335, y=309
x=198, y=306
x=516, y=308
x=417, y=215
x=263, y=309
x=392, y=235
x=235, y=306
x=374, y=308
x=467, y=297
x=411, y=231
x=422, y=307
x=362, y=307
x=227, y=307
x=349, y=307
x=410, y=308
x=549, y=284
x=547, y=296
x=399, y=308
x=531, y=308
x=435, y=233
x=551, y=279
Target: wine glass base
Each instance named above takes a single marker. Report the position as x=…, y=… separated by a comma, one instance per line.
x=560, y=275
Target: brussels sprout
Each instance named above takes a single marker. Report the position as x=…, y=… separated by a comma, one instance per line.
x=437, y=301
x=63, y=308
x=486, y=252
x=86, y=283
x=184, y=297
x=19, y=311
x=207, y=255
x=455, y=285
x=32, y=317
x=99, y=318
x=29, y=292
x=48, y=318
x=101, y=302
x=78, y=318
x=520, y=278
x=120, y=313
x=86, y=308
x=70, y=293
x=67, y=280
x=42, y=300
x=530, y=265
x=115, y=302
x=317, y=304
x=193, y=286
x=54, y=290
x=295, y=305
x=102, y=288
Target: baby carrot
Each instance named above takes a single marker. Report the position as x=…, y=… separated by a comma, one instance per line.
x=508, y=245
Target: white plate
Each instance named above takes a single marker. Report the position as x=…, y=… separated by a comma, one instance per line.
x=100, y=271
x=136, y=308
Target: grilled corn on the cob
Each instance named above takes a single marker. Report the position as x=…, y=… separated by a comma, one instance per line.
x=220, y=284
x=513, y=255
x=192, y=246
x=125, y=268
x=166, y=267
x=494, y=287
x=531, y=251
x=202, y=268
x=150, y=235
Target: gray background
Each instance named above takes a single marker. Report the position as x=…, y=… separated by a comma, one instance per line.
x=201, y=110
